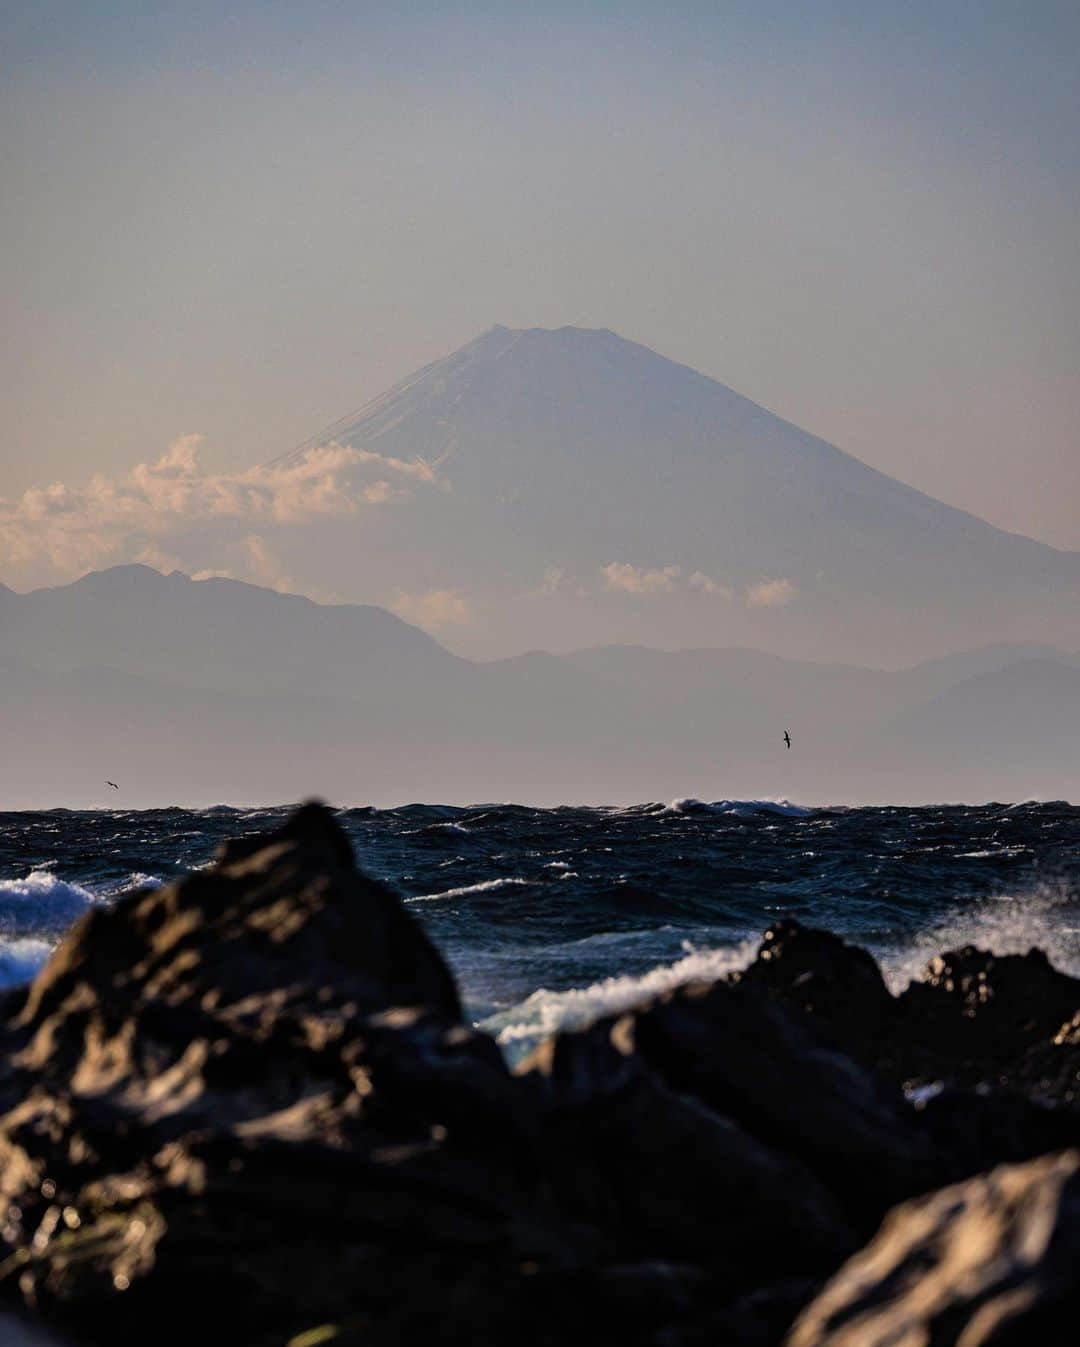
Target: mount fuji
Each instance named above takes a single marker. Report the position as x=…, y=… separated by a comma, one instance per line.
x=578, y=488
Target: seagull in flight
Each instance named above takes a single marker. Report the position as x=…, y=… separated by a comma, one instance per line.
x=113, y=784
x=787, y=738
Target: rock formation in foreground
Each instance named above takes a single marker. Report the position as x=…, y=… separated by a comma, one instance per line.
x=245, y=1109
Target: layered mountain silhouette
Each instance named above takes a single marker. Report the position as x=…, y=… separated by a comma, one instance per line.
x=585, y=489
x=195, y=692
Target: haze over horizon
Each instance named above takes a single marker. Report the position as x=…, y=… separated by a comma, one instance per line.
x=784, y=359
x=556, y=488
x=540, y=673
x=209, y=692
x=241, y=224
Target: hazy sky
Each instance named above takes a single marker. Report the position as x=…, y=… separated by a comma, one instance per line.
x=243, y=221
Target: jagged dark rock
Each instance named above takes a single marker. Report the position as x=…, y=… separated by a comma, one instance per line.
x=840, y=984
x=654, y=1165
x=979, y=1014
x=256, y=1082
x=1051, y=1069
x=972, y=1018
x=989, y=1263
x=755, y=1064
x=245, y=1107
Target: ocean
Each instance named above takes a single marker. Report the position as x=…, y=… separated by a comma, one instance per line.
x=552, y=916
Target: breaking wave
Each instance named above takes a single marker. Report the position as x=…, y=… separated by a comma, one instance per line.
x=551, y=917
x=739, y=808
x=486, y=886
x=544, y=1012
x=1047, y=918
x=41, y=901
x=20, y=960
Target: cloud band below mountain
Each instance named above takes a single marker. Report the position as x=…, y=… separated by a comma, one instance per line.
x=59, y=531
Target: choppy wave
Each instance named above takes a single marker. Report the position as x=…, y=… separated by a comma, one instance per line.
x=1048, y=918
x=739, y=808
x=21, y=959
x=553, y=916
x=36, y=910
x=544, y=1012
x=40, y=901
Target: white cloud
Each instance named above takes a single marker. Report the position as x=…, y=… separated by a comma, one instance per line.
x=437, y=608
x=707, y=585
x=67, y=530
x=642, y=580
x=637, y=580
x=152, y=555
x=770, y=594
x=262, y=565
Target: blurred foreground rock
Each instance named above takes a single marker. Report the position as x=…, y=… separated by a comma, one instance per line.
x=990, y=1262
x=245, y=1109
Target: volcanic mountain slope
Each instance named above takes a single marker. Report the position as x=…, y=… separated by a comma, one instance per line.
x=555, y=454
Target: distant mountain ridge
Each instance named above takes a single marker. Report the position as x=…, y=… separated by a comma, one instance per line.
x=215, y=633
x=563, y=452
x=201, y=691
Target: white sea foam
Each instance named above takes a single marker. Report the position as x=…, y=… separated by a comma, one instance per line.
x=486, y=886
x=21, y=959
x=37, y=909
x=545, y=1012
x=41, y=899
x=30, y=908
x=139, y=879
x=1048, y=918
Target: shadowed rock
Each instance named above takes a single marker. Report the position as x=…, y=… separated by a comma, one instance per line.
x=971, y=1018
x=980, y=1013
x=839, y=984
x=244, y=1108
x=661, y=1170
x=763, y=1070
x=256, y=1082
x=1051, y=1069
x=822, y=974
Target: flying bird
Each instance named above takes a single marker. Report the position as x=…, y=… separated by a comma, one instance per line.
x=113, y=784
x=787, y=738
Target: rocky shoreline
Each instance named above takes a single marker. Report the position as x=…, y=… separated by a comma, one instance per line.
x=245, y=1109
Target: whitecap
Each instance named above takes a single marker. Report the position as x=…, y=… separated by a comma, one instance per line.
x=1004, y=924
x=41, y=899
x=486, y=886
x=738, y=808
x=20, y=960
x=546, y=1012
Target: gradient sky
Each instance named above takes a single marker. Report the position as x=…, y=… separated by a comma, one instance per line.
x=245, y=223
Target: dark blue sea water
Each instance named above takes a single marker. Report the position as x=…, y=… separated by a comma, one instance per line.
x=550, y=916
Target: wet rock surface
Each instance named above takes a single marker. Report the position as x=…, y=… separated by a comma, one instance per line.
x=245, y=1108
